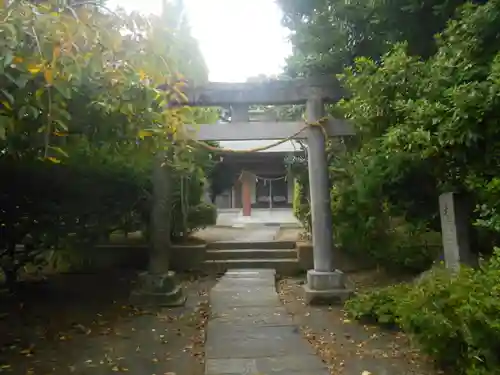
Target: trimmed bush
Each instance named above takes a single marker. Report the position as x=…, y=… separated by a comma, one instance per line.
x=453, y=318
x=301, y=206
x=201, y=216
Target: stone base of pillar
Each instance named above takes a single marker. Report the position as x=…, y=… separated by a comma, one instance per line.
x=157, y=290
x=326, y=287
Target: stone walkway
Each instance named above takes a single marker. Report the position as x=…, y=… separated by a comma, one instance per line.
x=277, y=216
x=250, y=332
x=258, y=234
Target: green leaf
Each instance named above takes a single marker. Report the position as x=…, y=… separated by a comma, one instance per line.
x=4, y=123
x=59, y=150
x=28, y=111
x=7, y=59
x=61, y=124
x=21, y=81
x=8, y=95
x=63, y=89
x=23, y=112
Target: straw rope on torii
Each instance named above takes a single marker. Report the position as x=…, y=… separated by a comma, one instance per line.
x=320, y=123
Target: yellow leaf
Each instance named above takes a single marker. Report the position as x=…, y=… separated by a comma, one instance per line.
x=49, y=78
x=142, y=74
x=144, y=133
x=35, y=69
x=56, y=52
x=17, y=60
x=54, y=160
x=59, y=150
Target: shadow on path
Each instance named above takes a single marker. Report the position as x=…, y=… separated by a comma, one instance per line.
x=82, y=324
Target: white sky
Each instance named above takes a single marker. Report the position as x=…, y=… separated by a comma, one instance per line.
x=238, y=38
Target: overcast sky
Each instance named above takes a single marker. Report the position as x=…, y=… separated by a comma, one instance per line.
x=238, y=38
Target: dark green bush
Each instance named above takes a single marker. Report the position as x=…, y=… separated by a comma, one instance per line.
x=378, y=305
x=301, y=207
x=453, y=318
x=201, y=216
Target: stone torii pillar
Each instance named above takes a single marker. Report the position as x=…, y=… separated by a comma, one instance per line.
x=324, y=282
x=158, y=286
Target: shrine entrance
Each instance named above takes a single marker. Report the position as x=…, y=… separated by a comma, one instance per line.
x=271, y=192
x=324, y=281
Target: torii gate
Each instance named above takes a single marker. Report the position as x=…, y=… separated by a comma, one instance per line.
x=325, y=280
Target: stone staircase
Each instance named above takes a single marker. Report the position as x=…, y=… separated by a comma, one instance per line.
x=279, y=255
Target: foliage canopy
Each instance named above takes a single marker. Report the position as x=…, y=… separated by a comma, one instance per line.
x=84, y=105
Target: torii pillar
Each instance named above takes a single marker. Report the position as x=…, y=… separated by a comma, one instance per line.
x=239, y=113
x=325, y=283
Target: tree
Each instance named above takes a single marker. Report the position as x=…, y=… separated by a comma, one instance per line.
x=328, y=35
x=81, y=115
x=424, y=126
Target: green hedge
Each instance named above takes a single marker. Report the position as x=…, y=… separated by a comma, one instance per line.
x=301, y=207
x=198, y=217
x=453, y=318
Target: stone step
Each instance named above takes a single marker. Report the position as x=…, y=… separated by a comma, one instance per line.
x=262, y=245
x=284, y=267
x=251, y=254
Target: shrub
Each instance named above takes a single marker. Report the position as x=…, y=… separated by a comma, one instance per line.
x=453, y=318
x=201, y=216
x=301, y=207
x=378, y=305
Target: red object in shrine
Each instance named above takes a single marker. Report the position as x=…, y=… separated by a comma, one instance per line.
x=246, y=195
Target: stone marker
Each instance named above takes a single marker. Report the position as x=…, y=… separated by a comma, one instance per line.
x=455, y=231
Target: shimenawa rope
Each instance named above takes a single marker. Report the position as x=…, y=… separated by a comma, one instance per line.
x=321, y=123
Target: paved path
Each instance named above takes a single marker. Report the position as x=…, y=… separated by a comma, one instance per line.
x=250, y=332
x=282, y=216
x=248, y=234
x=258, y=234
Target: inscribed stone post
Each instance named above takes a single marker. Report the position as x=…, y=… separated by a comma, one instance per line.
x=455, y=226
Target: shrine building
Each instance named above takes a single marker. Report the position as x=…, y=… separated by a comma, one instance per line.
x=263, y=178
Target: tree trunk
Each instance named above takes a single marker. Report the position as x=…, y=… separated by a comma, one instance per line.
x=10, y=278
x=160, y=215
